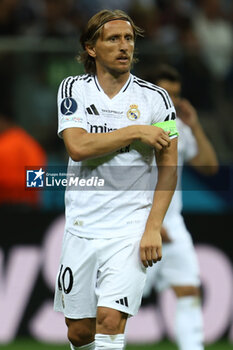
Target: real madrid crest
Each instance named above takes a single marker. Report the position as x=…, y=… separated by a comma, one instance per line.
x=133, y=113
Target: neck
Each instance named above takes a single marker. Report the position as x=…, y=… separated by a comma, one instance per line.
x=112, y=84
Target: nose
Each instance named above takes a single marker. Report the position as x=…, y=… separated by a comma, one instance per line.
x=123, y=44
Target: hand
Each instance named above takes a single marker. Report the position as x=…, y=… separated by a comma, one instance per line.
x=150, y=248
x=187, y=113
x=154, y=136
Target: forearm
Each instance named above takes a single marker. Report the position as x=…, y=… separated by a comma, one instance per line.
x=91, y=145
x=151, y=242
x=167, y=178
x=164, y=191
x=81, y=145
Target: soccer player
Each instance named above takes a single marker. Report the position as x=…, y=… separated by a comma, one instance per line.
x=112, y=233
x=179, y=268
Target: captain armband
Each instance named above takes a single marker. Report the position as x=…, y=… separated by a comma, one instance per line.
x=169, y=125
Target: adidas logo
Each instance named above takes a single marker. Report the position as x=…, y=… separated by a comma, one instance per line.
x=92, y=110
x=123, y=301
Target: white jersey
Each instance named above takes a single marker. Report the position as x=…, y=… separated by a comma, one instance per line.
x=187, y=149
x=121, y=206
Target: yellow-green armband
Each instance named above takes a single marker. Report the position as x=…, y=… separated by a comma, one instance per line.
x=169, y=125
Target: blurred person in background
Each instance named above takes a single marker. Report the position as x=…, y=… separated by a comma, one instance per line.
x=9, y=17
x=18, y=150
x=179, y=268
x=193, y=67
x=111, y=236
x=54, y=19
x=145, y=13
x=90, y=7
x=15, y=17
x=215, y=34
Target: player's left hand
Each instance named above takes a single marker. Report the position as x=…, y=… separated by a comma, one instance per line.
x=150, y=248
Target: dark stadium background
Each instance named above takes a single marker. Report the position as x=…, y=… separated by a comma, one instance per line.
x=38, y=45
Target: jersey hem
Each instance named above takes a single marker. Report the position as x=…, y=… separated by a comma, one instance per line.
x=114, y=234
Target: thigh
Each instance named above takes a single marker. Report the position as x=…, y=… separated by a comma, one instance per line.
x=121, y=276
x=76, y=278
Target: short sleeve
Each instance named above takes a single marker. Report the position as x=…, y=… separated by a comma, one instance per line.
x=71, y=111
x=162, y=107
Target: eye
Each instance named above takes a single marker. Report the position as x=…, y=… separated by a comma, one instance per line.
x=113, y=38
x=129, y=37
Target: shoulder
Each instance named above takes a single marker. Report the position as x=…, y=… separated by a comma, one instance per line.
x=86, y=78
x=77, y=78
x=157, y=93
x=69, y=83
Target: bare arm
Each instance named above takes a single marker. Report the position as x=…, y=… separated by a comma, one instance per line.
x=81, y=145
x=206, y=160
x=151, y=242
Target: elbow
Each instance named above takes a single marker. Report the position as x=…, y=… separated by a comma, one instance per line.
x=167, y=178
x=76, y=155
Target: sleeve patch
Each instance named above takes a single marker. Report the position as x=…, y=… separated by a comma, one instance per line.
x=68, y=106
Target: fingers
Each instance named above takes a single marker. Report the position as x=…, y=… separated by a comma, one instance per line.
x=143, y=257
x=150, y=256
x=159, y=253
x=163, y=140
x=160, y=144
x=154, y=256
x=155, y=136
x=166, y=136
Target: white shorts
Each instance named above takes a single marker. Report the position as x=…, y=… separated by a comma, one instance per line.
x=178, y=267
x=99, y=272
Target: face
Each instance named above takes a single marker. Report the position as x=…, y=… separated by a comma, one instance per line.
x=113, y=51
x=173, y=89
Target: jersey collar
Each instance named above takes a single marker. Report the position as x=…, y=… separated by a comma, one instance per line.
x=123, y=89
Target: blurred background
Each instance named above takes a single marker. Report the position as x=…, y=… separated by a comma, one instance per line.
x=39, y=41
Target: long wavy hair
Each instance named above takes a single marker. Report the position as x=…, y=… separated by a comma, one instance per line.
x=93, y=30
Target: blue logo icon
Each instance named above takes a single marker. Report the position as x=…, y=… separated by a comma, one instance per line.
x=35, y=178
x=68, y=106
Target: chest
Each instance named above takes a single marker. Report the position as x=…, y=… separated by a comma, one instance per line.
x=105, y=115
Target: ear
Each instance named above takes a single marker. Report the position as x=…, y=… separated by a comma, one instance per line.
x=91, y=50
